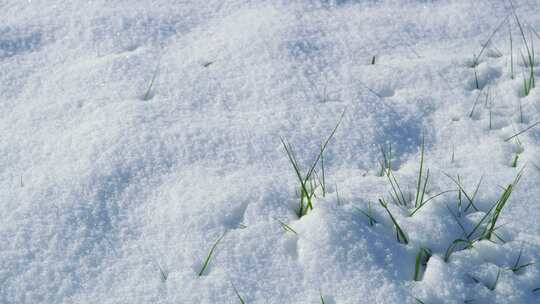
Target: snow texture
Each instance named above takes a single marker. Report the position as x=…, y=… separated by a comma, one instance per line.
x=137, y=133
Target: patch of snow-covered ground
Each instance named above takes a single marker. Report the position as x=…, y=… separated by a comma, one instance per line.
x=111, y=193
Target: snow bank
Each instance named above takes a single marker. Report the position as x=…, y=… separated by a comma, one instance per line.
x=135, y=134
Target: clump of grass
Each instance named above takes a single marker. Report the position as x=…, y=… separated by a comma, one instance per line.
x=501, y=203
x=400, y=235
x=423, y=256
x=209, y=256
x=488, y=221
x=397, y=194
x=529, y=81
x=307, y=183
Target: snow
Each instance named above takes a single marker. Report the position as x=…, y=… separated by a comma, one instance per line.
x=110, y=197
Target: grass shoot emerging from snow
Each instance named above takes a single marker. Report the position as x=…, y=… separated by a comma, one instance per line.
x=209, y=256
x=400, y=235
x=240, y=299
x=423, y=256
x=307, y=183
x=517, y=265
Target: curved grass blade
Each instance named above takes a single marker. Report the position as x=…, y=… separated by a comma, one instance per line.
x=210, y=253
x=452, y=247
x=423, y=256
x=401, y=237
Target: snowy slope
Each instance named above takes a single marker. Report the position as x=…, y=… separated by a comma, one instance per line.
x=114, y=193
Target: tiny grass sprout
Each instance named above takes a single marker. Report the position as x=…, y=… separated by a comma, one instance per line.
x=210, y=253
x=163, y=273
x=419, y=301
x=517, y=265
x=337, y=196
x=322, y=298
x=476, y=82
x=494, y=284
x=307, y=184
x=371, y=219
x=536, y=289
x=373, y=60
x=400, y=235
x=149, y=94
x=422, y=258
x=520, y=108
x=420, y=195
x=475, y=103
x=386, y=161
x=286, y=227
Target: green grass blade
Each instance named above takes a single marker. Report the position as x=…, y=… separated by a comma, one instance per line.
x=325, y=144
x=286, y=227
x=523, y=131
x=428, y=200
x=371, y=219
x=452, y=247
x=396, y=189
x=419, y=184
x=210, y=253
x=238, y=295
x=422, y=258
x=401, y=237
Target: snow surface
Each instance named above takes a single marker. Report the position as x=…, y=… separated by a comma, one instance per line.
x=102, y=190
